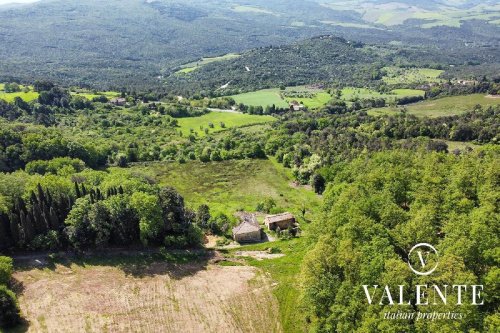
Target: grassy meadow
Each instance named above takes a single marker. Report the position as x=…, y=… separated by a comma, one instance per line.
x=230, y=119
x=90, y=95
x=266, y=97
x=192, y=66
x=26, y=96
x=318, y=98
x=397, y=75
x=262, y=98
x=229, y=186
x=351, y=93
x=445, y=106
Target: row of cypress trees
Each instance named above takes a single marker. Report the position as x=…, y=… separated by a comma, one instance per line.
x=41, y=213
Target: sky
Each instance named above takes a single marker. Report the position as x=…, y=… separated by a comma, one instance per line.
x=5, y=2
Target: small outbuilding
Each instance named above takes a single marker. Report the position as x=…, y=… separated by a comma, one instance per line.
x=283, y=221
x=118, y=101
x=296, y=106
x=247, y=231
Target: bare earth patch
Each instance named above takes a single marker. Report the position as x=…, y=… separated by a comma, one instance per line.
x=163, y=298
x=259, y=255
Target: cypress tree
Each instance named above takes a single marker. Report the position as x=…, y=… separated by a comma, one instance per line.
x=54, y=220
x=120, y=189
x=33, y=198
x=5, y=236
x=14, y=228
x=37, y=219
x=41, y=194
x=84, y=190
x=77, y=190
x=49, y=199
x=27, y=225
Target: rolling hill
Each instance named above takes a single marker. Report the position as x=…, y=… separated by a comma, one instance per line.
x=135, y=42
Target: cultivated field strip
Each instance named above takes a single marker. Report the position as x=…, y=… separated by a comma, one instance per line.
x=189, y=299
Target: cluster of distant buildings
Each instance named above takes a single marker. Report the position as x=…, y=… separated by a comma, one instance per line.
x=249, y=229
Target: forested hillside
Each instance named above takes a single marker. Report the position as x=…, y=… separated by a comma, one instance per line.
x=327, y=60
x=143, y=142
x=132, y=43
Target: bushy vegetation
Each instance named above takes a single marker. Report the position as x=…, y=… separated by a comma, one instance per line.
x=9, y=308
x=376, y=208
x=91, y=209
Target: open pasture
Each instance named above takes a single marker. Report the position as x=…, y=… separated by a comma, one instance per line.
x=262, y=98
x=446, y=106
x=308, y=96
x=233, y=185
x=26, y=96
x=216, y=118
x=396, y=75
x=192, y=66
x=352, y=93
x=90, y=95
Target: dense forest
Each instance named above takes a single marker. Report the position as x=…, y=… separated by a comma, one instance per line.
x=325, y=60
x=106, y=48
x=376, y=208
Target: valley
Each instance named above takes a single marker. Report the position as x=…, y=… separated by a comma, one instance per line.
x=234, y=166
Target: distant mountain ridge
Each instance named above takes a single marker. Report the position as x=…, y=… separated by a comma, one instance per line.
x=112, y=43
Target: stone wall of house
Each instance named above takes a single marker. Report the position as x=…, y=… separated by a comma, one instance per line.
x=284, y=224
x=253, y=236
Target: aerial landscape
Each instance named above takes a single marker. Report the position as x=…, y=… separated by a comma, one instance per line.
x=284, y=166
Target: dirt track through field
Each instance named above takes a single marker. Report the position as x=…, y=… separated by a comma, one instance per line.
x=185, y=298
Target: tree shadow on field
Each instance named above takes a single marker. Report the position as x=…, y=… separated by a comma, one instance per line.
x=22, y=327
x=138, y=263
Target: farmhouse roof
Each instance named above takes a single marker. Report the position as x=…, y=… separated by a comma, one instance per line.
x=246, y=227
x=279, y=217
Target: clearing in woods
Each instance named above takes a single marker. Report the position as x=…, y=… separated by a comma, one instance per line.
x=26, y=96
x=217, y=119
x=128, y=295
x=350, y=94
x=310, y=97
x=446, y=106
x=397, y=75
x=192, y=66
x=262, y=98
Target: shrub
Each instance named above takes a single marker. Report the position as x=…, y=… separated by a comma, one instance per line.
x=9, y=309
x=49, y=241
x=6, y=269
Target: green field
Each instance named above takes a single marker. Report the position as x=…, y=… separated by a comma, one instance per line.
x=319, y=96
x=351, y=93
x=229, y=186
x=230, y=119
x=26, y=96
x=262, y=98
x=266, y=97
x=90, y=95
x=192, y=66
x=446, y=106
x=396, y=75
